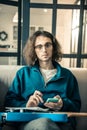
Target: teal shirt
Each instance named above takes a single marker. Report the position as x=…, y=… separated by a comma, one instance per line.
x=29, y=78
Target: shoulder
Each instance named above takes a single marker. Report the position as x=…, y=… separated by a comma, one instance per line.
x=61, y=68
x=27, y=69
x=24, y=70
x=69, y=75
x=65, y=72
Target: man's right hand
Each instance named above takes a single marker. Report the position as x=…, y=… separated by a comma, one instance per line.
x=35, y=99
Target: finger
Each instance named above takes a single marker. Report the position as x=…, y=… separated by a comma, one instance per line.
x=57, y=96
x=49, y=105
x=38, y=93
x=36, y=99
x=54, y=106
x=31, y=103
x=59, y=99
x=40, y=98
x=33, y=100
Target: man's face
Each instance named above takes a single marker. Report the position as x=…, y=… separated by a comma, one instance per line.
x=43, y=48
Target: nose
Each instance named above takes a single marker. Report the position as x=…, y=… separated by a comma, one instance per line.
x=44, y=48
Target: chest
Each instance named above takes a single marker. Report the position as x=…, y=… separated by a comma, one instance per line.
x=53, y=87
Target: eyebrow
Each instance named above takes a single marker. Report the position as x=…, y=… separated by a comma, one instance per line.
x=44, y=44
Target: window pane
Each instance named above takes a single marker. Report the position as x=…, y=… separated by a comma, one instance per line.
x=8, y=61
x=39, y=20
x=85, y=2
x=68, y=2
x=67, y=30
x=41, y=1
x=68, y=62
x=75, y=30
x=84, y=63
x=84, y=38
x=8, y=28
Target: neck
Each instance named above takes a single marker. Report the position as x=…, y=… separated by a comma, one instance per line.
x=46, y=65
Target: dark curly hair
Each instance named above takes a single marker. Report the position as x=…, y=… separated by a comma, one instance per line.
x=29, y=49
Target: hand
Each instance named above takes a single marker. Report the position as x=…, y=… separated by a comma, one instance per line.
x=35, y=99
x=55, y=106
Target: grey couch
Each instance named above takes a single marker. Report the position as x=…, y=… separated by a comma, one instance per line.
x=7, y=74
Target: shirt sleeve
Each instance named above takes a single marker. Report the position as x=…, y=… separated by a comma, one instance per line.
x=72, y=101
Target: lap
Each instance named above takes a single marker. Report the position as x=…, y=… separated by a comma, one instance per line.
x=38, y=124
x=45, y=124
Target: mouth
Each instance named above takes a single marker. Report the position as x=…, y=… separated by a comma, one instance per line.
x=44, y=55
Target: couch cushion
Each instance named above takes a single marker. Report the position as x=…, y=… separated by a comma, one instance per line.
x=7, y=74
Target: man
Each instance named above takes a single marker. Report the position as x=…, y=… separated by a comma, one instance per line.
x=44, y=78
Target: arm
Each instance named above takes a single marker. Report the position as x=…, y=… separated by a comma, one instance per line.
x=22, y=93
x=72, y=101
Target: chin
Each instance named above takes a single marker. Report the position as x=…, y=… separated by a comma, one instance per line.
x=46, y=60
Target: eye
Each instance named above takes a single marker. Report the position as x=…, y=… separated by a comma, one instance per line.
x=38, y=46
x=48, y=44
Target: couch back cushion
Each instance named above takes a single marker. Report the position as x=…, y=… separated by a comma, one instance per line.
x=7, y=73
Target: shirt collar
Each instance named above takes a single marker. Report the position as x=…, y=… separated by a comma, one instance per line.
x=56, y=65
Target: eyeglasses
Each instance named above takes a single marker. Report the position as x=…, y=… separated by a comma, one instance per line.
x=47, y=46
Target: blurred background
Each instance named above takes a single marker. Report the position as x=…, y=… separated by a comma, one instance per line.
x=65, y=19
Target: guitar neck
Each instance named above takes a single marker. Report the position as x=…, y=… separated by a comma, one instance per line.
x=74, y=114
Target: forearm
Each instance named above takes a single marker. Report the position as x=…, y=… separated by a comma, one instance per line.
x=69, y=105
x=15, y=103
